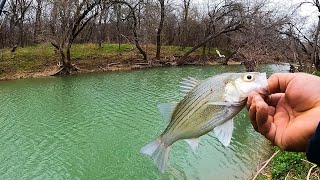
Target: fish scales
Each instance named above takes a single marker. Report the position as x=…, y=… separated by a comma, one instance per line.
x=201, y=96
x=189, y=110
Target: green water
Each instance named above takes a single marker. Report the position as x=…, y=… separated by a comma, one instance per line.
x=92, y=127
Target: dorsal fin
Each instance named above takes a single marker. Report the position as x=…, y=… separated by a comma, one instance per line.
x=186, y=85
x=167, y=109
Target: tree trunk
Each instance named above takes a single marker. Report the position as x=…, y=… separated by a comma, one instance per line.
x=38, y=21
x=184, y=28
x=13, y=19
x=136, y=41
x=53, y=20
x=66, y=68
x=3, y=2
x=204, y=47
x=160, y=29
x=229, y=57
x=101, y=30
x=118, y=26
x=21, y=33
x=314, y=55
x=250, y=65
x=69, y=37
x=135, y=34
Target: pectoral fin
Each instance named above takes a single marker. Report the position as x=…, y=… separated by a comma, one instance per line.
x=219, y=103
x=167, y=109
x=224, y=132
x=224, y=103
x=193, y=143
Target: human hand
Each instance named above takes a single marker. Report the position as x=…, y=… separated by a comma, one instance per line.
x=290, y=115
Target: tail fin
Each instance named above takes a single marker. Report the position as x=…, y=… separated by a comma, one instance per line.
x=159, y=152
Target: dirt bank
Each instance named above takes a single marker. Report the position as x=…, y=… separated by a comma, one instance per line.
x=85, y=67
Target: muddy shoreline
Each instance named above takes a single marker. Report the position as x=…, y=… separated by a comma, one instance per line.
x=85, y=68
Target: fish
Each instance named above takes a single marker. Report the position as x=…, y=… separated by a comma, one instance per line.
x=208, y=105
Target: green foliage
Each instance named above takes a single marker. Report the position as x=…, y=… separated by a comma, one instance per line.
x=289, y=164
x=261, y=177
x=317, y=73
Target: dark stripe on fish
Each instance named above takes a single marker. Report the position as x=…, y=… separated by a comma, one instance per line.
x=188, y=107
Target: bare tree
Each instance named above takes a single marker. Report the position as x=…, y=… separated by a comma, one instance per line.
x=299, y=46
x=259, y=41
x=170, y=27
x=132, y=16
x=184, y=24
x=315, y=51
x=17, y=12
x=224, y=20
x=104, y=7
x=38, y=20
x=159, y=30
x=2, y=3
x=73, y=21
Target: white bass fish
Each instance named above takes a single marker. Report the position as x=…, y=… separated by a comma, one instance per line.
x=208, y=105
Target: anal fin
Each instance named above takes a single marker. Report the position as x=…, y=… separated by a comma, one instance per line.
x=193, y=143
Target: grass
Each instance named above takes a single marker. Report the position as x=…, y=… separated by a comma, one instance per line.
x=317, y=73
x=84, y=51
x=289, y=165
x=28, y=58
x=37, y=57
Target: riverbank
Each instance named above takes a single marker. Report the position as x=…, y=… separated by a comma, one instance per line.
x=42, y=60
x=49, y=70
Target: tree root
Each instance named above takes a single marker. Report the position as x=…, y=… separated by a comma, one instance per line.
x=66, y=70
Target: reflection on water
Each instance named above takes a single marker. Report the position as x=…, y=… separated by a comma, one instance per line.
x=92, y=127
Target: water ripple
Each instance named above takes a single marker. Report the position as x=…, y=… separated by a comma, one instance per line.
x=92, y=127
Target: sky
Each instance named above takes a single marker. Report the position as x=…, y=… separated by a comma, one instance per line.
x=308, y=11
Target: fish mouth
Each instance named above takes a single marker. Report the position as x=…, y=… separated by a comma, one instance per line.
x=263, y=90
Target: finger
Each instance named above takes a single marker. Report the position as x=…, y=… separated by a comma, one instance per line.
x=262, y=116
x=250, y=98
x=278, y=82
x=271, y=133
x=265, y=123
x=272, y=111
x=252, y=114
x=263, y=92
x=273, y=99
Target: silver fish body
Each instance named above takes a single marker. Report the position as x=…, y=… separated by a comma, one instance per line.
x=207, y=105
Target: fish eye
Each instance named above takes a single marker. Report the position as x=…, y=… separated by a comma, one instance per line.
x=248, y=77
